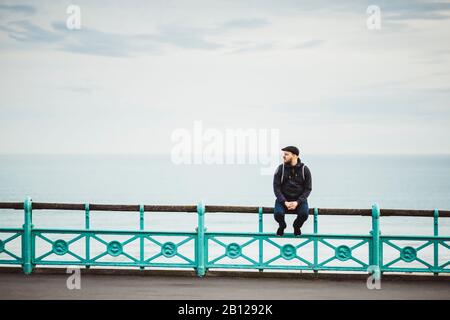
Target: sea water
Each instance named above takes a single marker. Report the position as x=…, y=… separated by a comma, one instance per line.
x=339, y=181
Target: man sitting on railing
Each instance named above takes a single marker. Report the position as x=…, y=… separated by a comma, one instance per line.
x=292, y=186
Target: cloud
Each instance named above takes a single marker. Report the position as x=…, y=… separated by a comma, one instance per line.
x=400, y=10
x=249, y=23
x=253, y=46
x=314, y=43
x=319, y=90
x=25, y=31
x=18, y=8
x=95, y=42
x=415, y=10
x=185, y=37
x=390, y=104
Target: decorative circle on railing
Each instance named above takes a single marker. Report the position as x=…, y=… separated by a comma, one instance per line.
x=233, y=250
x=408, y=254
x=114, y=248
x=2, y=246
x=343, y=252
x=60, y=247
x=288, y=251
x=169, y=249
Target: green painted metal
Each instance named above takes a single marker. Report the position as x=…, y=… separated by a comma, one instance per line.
x=316, y=243
x=290, y=251
x=329, y=251
x=11, y=257
x=376, y=241
x=113, y=248
x=141, y=240
x=261, y=242
x=200, y=253
x=27, y=237
x=436, y=243
x=87, y=225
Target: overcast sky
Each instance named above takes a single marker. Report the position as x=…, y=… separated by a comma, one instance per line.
x=138, y=70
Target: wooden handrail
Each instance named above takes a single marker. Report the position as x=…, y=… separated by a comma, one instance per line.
x=218, y=209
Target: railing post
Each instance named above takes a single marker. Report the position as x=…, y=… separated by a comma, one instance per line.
x=436, y=243
x=141, y=239
x=260, y=230
x=27, y=244
x=87, y=226
x=376, y=241
x=201, y=240
x=316, y=241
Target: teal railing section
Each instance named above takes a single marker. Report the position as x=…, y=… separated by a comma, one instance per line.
x=272, y=252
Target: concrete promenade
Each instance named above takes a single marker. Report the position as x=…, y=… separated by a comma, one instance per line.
x=159, y=284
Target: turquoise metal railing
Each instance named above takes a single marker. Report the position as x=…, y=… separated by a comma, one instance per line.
x=271, y=252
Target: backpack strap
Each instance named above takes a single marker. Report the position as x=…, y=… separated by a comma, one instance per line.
x=303, y=172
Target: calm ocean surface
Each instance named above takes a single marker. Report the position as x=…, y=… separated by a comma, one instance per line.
x=413, y=182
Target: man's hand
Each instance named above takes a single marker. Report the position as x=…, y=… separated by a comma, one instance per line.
x=291, y=205
x=294, y=205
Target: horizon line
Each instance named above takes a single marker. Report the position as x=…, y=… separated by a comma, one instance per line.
x=168, y=153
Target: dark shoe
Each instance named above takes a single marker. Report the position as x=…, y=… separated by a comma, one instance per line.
x=297, y=231
x=280, y=231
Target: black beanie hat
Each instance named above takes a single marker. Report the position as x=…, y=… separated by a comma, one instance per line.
x=292, y=149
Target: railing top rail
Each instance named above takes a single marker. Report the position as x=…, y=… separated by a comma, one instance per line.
x=99, y=207
x=217, y=209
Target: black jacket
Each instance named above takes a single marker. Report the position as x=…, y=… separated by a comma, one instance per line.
x=289, y=183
